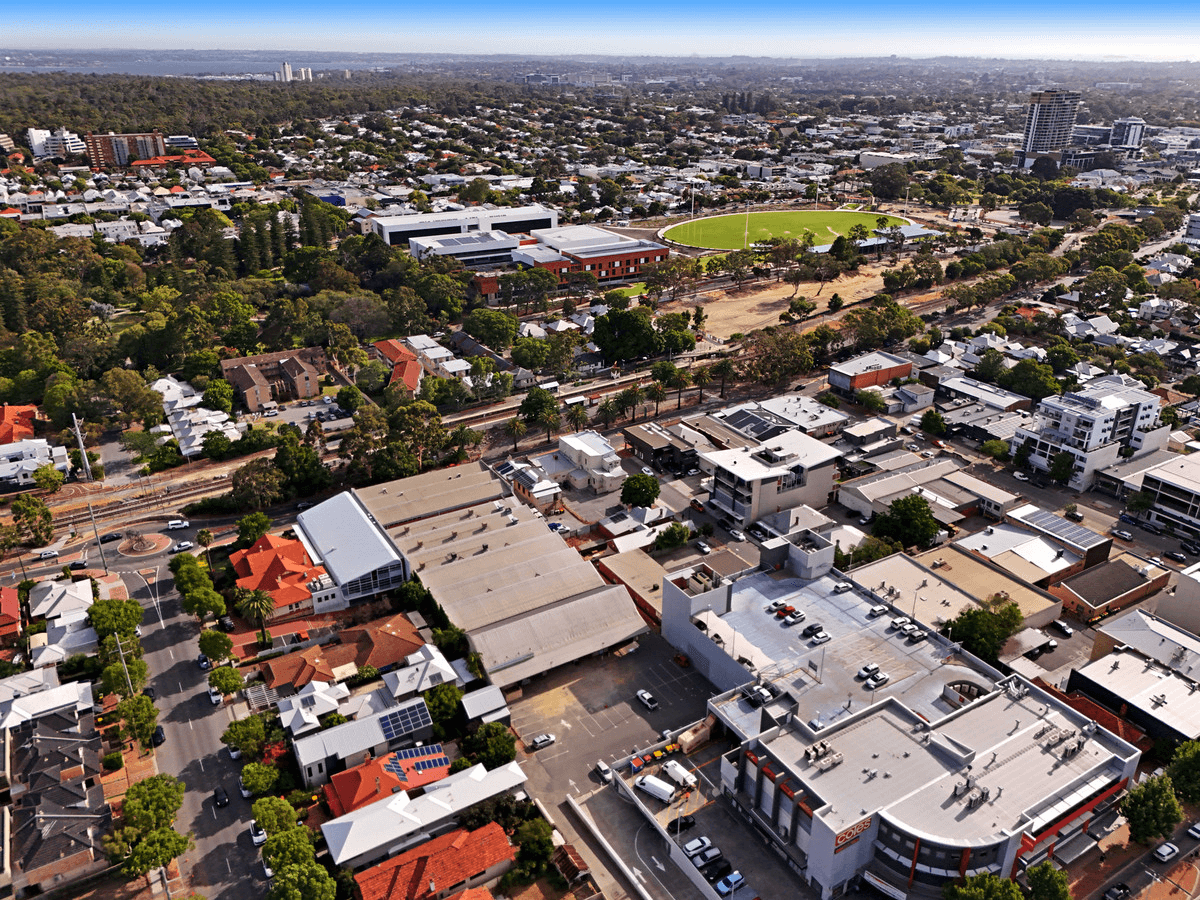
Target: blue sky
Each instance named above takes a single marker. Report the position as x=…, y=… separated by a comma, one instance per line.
x=1072, y=29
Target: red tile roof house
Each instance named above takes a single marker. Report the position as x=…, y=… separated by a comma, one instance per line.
x=441, y=867
x=384, y=776
x=10, y=615
x=406, y=368
x=16, y=423
x=283, y=569
x=381, y=644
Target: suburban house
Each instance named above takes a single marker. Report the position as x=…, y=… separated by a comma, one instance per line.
x=16, y=422
x=374, y=778
x=20, y=459
x=324, y=754
x=383, y=645
x=283, y=569
x=406, y=368
x=441, y=867
x=10, y=614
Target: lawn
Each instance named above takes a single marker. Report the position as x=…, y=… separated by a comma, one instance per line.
x=730, y=232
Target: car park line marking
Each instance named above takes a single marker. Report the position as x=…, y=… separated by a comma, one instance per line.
x=180, y=683
x=201, y=761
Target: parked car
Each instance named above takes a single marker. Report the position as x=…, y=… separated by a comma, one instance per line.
x=704, y=857
x=1020, y=476
x=1074, y=515
x=646, y=470
x=877, y=610
x=1126, y=517
x=736, y=534
x=1150, y=527
x=1123, y=535
x=821, y=637
x=1194, y=831
x=647, y=699
x=159, y=738
x=1118, y=891
x=604, y=770
x=1176, y=555
x=1063, y=627
x=220, y=798
x=690, y=472
x=682, y=823
x=812, y=629
x=243, y=790
x=716, y=870
x=730, y=883
x=203, y=663
x=542, y=740
x=698, y=845
x=912, y=448
x=214, y=696
x=1189, y=547
x=878, y=680
x=225, y=623
x=149, y=691
x=842, y=587
x=898, y=623
x=868, y=670
x=794, y=618
x=697, y=505
x=257, y=836
x=703, y=548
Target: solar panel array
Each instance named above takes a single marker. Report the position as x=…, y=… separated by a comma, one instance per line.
x=437, y=758
x=404, y=721
x=1065, y=529
x=436, y=763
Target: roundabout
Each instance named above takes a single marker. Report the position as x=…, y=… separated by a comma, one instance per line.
x=738, y=230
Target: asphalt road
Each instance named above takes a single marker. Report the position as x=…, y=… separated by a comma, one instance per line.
x=224, y=865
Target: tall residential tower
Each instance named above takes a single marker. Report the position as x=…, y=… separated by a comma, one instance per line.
x=1050, y=120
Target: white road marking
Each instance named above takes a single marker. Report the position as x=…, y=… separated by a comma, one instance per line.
x=172, y=654
x=661, y=867
x=637, y=873
x=201, y=761
x=564, y=723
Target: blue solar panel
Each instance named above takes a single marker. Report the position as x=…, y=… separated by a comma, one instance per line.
x=401, y=722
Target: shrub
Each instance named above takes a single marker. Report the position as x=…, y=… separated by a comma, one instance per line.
x=300, y=798
x=114, y=761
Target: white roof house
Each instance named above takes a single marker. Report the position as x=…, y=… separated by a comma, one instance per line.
x=59, y=602
x=422, y=670
x=301, y=713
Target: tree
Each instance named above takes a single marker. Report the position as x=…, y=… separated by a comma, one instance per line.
x=515, y=429
x=139, y=717
x=982, y=887
x=256, y=484
x=124, y=678
x=674, y=535
x=982, y=631
x=723, y=369
x=215, y=645
x=205, y=538
x=1191, y=385
x=246, y=736
x=536, y=400
x=442, y=701
x=251, y=527
x=218, y=395
x=535, y=838
x=701, y=377
x=259, y=779
x=1152, y=809
x=290, y=847
x=994, y=449
x=256, y=605
x=34, y=522
x=623, y=334
x=1031, y=378
x=492, y=744
x=933, y=423
x=202, y=602
x=350, y=398
x=273, y=814
x=640, y=490
x=871, y=401
x=48, y=478
x=1140, y=501
x=907, y=521
x=1048, y=883
x=550, y=419
x=226, y=679
x=155, y=850
x=1185, y=771
x=153, y=802
x=491, y=327
x=1062, y=466
x=112, y=616
x=577, y=416
x=309, y=881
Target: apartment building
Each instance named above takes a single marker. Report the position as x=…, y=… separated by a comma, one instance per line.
x=45, y=143
x=789, y=470
x=107, y=150
x=1110, y=417
x=1050, y=120
x=286, y=375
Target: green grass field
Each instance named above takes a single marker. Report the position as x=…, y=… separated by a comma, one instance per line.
x=729, y=232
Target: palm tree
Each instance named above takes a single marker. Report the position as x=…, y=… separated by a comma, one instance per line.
x=577, y=416
x=256, y=605
x=680, y=380
x=656, y=393
x=608, y=412
x=204, y=538
x=724, y=368
x=548, y=417
x=700, y=378
x=637, y=395
x=515, y=429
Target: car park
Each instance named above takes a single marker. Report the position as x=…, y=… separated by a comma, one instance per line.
x=703, y=548
x=716, y=870
x=257, y=836
x=704, y=857
x=1020, y=476
x=821, y=637
x=812, y=629
x=868, y=670
x=647, y=699
x=1123, y=535
x=220, y=798
x=203, y=663
x=697, y=845
x=730, y=883
x=794, y=618
x=878, y=680
x=1164, y=852
x=542, y=740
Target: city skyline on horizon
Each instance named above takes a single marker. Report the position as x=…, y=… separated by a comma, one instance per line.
x=776, y=30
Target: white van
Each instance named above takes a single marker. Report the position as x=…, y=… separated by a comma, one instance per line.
x=178, y=524
x=679, y=774
x=655, y=787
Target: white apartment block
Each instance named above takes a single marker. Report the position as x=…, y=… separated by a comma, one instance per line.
x=1094, y=425
x=54, y=143
x=786, y=471
x=20, y=459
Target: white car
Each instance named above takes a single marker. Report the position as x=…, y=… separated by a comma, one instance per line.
x=1164, y=852
x=898, y=623
x=604, y=770
x=646, y=470
x=1020, y=476
x=736, y=535
x=697, y=845
x=703, y=548
x=214, y=695
x=647, y=699
x=542, y=740
x=182, y=546
x=821, y=637
x=257, y=836
x=868, y=670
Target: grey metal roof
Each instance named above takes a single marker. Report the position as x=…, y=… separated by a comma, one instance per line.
x=343, y=536
x=341, y=741
x=1057, y=526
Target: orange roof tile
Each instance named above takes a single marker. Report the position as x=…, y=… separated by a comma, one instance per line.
x=378, y=778
x=16, y=423
x=443, y=861
x=394, y=351
x=10, y=605
x=382, y=643
x=279, y=566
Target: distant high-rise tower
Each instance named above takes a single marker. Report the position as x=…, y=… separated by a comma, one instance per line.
x=1128, y=132
x=1049, y=121
x=285, y=72
x=306, y=74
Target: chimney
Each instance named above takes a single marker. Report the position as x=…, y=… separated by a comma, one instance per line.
x=377, y=785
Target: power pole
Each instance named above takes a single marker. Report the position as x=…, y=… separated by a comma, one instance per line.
x=99, y=543
x=85, y=464
x=121, y=653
